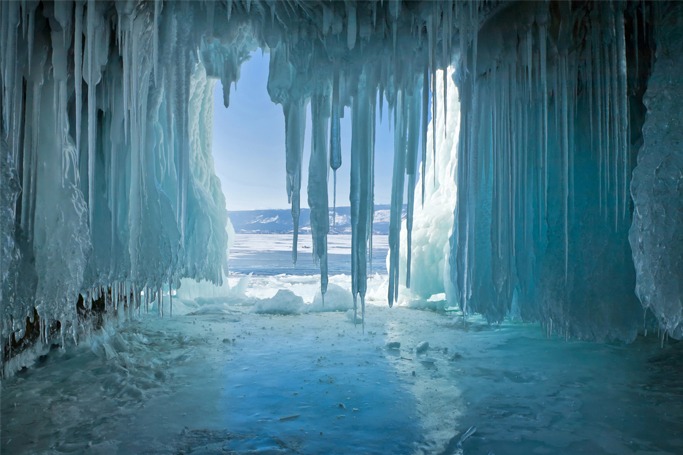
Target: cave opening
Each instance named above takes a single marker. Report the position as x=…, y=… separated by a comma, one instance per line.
x=540, y=180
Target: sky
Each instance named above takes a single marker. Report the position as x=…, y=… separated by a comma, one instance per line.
x=249, y=147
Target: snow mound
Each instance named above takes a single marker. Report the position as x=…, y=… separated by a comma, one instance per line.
x=284, y=302
x=336, y=299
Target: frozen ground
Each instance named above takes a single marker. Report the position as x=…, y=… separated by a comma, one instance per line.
x=219, y=377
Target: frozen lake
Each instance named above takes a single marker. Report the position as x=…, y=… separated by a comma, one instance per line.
x=271, y=254
x=220, y=377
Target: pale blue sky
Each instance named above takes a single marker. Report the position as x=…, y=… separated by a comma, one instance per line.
x=249, y=147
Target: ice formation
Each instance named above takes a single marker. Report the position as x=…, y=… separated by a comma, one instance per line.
x=108, y=185
x=436, y=195
x=545, y=156
x=656, y=234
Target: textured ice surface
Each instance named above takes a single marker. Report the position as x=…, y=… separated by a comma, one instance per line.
x=241, y=382
x=657, y=187
x=108, y=182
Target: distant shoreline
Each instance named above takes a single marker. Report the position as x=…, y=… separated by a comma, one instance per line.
x=279, y=221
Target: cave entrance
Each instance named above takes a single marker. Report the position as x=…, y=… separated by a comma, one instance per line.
x=249, y=156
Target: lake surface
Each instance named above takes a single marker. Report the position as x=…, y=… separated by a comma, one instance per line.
x=271, y=254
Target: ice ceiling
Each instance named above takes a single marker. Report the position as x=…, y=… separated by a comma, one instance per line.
x=569, y=207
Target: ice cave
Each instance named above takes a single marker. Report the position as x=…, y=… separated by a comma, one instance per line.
x=520, y=293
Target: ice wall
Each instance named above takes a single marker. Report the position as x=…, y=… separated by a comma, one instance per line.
x=107, y=182
x=657, y=232
x=546, y=153
x=592, y=63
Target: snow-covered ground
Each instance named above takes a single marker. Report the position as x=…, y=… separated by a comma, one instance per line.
x=230, y=374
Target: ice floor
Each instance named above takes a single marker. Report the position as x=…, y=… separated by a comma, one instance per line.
x=219, y=377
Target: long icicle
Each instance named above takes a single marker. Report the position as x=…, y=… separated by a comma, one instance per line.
x=295, y=128
x=92, y=133
x=361, y=191
x=317, y=183
x=397, y=195
x=78, y=62
x=411, y=164
x=432, y=56
x=335, y=140
x=425, y=127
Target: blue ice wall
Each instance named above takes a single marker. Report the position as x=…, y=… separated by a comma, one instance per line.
x=656, y=235
x=108, y=186
x=551, y=115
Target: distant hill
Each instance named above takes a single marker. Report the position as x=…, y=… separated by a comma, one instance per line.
x=279, y=221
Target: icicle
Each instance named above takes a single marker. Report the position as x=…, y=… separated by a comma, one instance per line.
x=184, y=70
x=400, y=136
x=572, y=74
x=115, y=295
x=135, y=303
x=92, y=132
x=155, y=41
x=170, y=297
x=361, y=188
x=615, y=116
x=370, y=172
x=544, y=87
x=605, y=129
x=591, y=92
x=160, y=301
x=562, y=75
x=425, y=127
x=597, y=57
x=9, y=21
x=31, y=29
x=351, y=25
x=413, y=119
x=623, y=118
x=446, y=60
x=295, y=128
x=317, y=182
x=635, y=38
x=529, y=56
x=78, y=62
x=432, y=60
x=335, y=139
x=334, y=198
